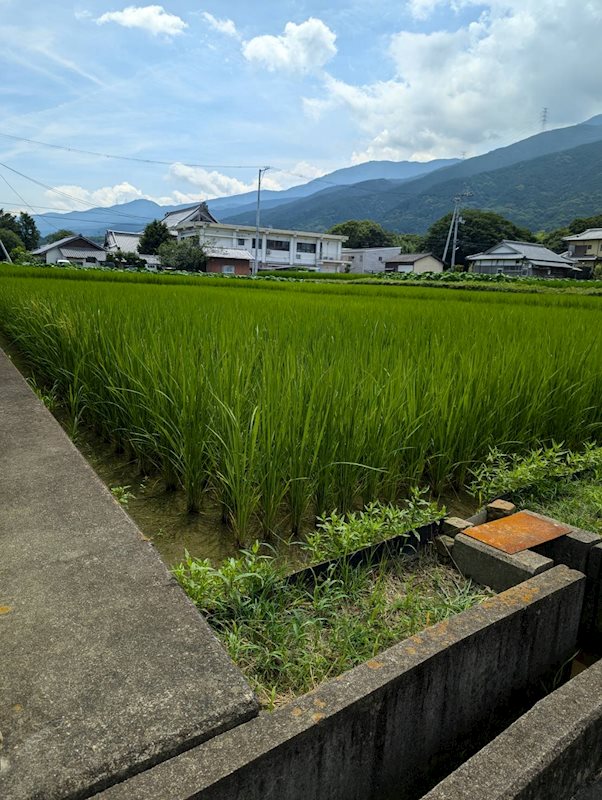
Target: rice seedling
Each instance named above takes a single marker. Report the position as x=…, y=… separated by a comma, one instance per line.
x=283, y=401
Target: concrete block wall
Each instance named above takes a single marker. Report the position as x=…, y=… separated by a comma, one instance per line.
x=388, y=728
x=551, y=752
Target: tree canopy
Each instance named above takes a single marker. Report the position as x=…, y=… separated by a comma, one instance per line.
x=363, y=233
x=28, y=231
x=187, y=255
x=63, y=233
x=155, y=234
x=11, y=242
x=479, y=231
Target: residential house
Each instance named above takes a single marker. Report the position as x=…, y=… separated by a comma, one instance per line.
x=414, y=262
x=276, y=248
x=368, y=259
x=585, y=249
x=128, y=242
x=75, y=249
x=522, y=258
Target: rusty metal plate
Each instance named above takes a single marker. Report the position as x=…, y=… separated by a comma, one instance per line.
x=517, y=532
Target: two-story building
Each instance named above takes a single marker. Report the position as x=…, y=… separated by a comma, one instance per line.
x=276, y=248
x=368, y=259
x=585, y=249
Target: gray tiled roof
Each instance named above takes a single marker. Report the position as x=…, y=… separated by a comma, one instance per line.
x=228, y=252
x=122, y=240
x=196, y=213
x=82, y=252
x=528, y=250
x=408, y=258
x=60, y=242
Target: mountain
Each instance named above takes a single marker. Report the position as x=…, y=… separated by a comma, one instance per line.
x=133, y=216
x=411, y=206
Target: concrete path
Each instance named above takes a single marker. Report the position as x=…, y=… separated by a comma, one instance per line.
x=106, y=667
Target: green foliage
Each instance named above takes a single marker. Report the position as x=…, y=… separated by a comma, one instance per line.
x=513, y=473
x=187, y=255
x=121, y=260
x=288, y=637
x=480, y=231
x=410, y=242
x=11, y=241
x=363, y=233
x=122, y=494
x=28, y=231
x=154, y=235
x=554, y=239
x=338, y=535
x=581, y=224
x=8, y=222
x=63, y=233
x=283, y=400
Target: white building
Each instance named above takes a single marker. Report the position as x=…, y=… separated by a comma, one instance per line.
x=586, y=249
x=368, y=259
x=277, y=249
x=418, y=263
x=72, y=250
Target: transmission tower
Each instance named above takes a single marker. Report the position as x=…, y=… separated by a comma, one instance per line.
x=544, y=118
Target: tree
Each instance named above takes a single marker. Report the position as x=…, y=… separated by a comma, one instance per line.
x=120, y=260
x=480, y=231
x=187, y=255
x=363, y=233
x=553, y=240
x=155, y=234
x=409, y=242
x=28, y=231
x=9, y=222
x=63, y=233
x=10, y=240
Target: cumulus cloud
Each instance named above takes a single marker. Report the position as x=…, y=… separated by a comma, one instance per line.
x=303, y=48
x=153, y=19
x=477, y=87
x=225, y=26
x=77, y=198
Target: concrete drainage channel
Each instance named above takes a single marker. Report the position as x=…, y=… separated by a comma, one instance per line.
x=114, y=687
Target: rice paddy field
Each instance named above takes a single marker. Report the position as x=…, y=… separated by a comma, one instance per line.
x=276, y=402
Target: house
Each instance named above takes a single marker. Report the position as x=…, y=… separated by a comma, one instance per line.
x=72, y=249
x=368, y=259
x=127, y=242
x=276, y=248
x=198, y=213
x=229, y=260
x=522, y=258
x=585, y=249
x=414, y=262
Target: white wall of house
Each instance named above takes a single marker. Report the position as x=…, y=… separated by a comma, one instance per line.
x=428, y=264
x=368, y=259
x=277, y=248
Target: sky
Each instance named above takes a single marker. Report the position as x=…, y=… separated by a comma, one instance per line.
x=214, y=90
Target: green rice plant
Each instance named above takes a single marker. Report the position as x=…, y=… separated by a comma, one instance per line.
x=283, y=401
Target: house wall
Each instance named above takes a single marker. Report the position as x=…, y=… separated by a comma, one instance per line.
x=287, y=249
x=54, y=255
x=428, y=264
x=492, y=266
x=586, y=247
x=219, y=265
x=368, y=259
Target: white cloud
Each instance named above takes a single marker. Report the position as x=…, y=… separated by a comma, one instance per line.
x=81, y=199
x=225, y=26
x=306, y=47
x=153, y=19
x=478, y=87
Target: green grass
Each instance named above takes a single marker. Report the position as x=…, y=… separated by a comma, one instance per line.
x=285, y=400
x=289, y=638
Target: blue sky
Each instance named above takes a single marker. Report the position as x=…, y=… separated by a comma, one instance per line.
x=304, y=87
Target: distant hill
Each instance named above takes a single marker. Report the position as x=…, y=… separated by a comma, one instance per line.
x=135, y=215
x=411, y=206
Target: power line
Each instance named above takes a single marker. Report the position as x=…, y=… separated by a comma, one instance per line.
x=126, y=158
x=20, y=196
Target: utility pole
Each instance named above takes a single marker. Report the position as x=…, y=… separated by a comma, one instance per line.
x=259, y=176
x=453, y=227
x=5, y=251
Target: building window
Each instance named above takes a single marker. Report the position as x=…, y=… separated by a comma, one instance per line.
x=305, y=247
x=240, y=242
x=278, y=244
x=228, y=269
x=259, y=244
